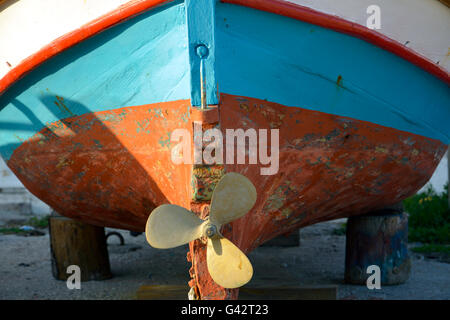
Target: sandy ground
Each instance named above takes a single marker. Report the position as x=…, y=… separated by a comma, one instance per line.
x=25, y=269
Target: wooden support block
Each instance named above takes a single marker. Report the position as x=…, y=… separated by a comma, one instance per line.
x=162, y=292
x=289, y=293
x=172, y=292
x=76, y=243
x=284, y=240
x=380, y=239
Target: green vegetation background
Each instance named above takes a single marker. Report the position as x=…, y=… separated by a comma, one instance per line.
x=429, y=220
x=429, y=216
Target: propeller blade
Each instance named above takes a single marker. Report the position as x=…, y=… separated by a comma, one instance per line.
x=228, y=266
x=170, y=226
x=232, y=198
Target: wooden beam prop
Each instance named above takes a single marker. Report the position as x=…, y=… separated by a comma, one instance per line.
x=173, y=292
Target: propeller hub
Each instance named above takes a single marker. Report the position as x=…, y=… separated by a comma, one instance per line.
x=210, y=230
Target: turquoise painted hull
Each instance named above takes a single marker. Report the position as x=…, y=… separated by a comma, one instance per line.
x=294, y=63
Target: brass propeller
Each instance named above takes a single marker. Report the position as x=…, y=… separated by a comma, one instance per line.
x=170, y=226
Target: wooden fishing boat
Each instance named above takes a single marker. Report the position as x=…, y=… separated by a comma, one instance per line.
x=92, y=90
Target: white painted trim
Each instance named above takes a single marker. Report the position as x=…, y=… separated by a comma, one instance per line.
x=28, y=25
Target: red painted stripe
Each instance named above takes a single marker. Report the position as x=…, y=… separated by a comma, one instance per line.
x=135, y=7
x=122, y=13
x=306, y=14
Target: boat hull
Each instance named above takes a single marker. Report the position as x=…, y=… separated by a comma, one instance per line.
x=330, y=167
x=86, y=123
x=109, y=168
x=113, y=167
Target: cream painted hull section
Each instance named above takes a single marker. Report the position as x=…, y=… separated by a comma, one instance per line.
x=28, y=25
